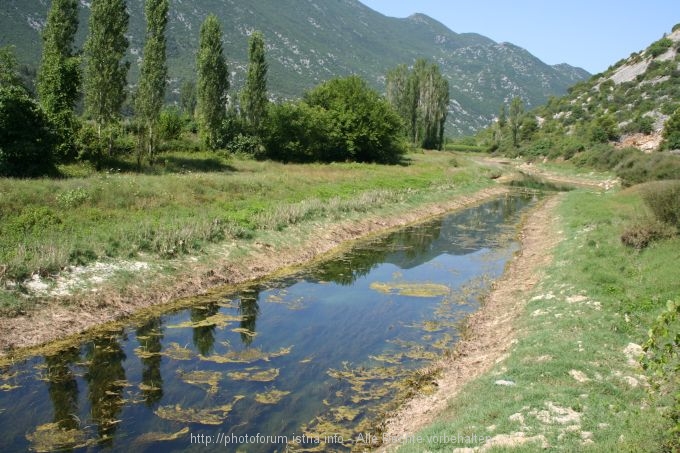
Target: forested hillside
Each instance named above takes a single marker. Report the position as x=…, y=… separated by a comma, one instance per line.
x=626, y=119
x=308, y=42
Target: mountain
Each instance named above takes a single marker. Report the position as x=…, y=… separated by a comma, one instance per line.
x=309, y=41
x=626, y=119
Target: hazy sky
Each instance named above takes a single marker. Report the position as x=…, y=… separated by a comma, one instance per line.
x=592, y=34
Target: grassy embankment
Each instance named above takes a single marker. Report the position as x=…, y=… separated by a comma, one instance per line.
x=575, y=387
x=194, y=202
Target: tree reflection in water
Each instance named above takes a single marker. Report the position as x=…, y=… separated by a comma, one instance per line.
x=106, y=381
x=63, y=387
x=204, y=336
x=150, y=337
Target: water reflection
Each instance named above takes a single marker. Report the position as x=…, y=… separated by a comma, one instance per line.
x=249, y=309
x=63, y=387
x=106, y=381
x=320, y=352
x=204, y=336
x=150, y=337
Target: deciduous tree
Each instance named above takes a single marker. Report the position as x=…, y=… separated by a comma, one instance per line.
x=213, y=82
x=154, y=72
x=254, y=96
x=105, y=70
x=59, y=75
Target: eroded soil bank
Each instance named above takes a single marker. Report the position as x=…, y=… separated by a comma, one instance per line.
x=490, y=331
x=63, y=318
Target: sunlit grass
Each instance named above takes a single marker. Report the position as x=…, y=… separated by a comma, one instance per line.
x=574, y=387
x=48, y=224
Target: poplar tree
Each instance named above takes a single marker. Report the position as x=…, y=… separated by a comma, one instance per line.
x=515, y=118
x=254, y=95
x=105, y=72
x=59, y=73
x=213, y=82
x=187, y=97
x=421, y=97
x=154, y=72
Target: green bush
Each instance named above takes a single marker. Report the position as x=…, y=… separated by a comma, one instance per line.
x=662, y=359
x=170, y=124
x=663, y=198
x=364, y=127
x=660, y=47
x=295, y=132
x=246, y=144
x=642, y=233
x=340, y=120
x=637, y=167
x=27, y=139
x=671, y=132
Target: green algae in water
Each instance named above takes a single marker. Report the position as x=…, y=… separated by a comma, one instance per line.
x=207, y=416
x=176, y=352
x=272, y=396
x=51, y=437
x=412, y=289
x=153, y=437
x=218, y=320
x=207, y=380
x=247, y=356
x=255, y=374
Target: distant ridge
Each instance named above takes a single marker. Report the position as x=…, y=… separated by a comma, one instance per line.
x=309, y=41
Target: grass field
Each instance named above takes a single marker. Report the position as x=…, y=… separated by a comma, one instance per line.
x=575, y=381
x=190, y=201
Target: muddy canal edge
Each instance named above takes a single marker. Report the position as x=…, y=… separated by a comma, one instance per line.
x=58, y=323
x=491, y=330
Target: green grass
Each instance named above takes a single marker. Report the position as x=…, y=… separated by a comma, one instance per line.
x=597, y=297
x=48, y=224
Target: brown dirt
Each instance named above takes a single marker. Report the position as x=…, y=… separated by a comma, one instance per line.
x=491, y=330
x=67, y=318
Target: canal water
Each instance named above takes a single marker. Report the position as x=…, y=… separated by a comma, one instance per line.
x=312, y=361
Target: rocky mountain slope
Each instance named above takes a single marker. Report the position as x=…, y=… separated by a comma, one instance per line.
x=309, y=41
x=638, y=94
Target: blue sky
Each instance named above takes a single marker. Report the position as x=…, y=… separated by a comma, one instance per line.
x=592, y=34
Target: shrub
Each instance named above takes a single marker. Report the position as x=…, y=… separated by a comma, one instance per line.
x=246, y=144
x=644, y=232
x=659, y=47
x=170, y=124
x=637, y=167
x=364, y=126
x=663, y=198
x=27, y=140
x=671, y=132
x=662, y=352
x=295, y=132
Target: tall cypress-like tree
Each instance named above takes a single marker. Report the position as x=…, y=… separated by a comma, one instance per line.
x=421, y=96
x=59, y=74
x=254, y=96
x=154, y=72
x=515, y=118
x=213, y=82
x=105, y=70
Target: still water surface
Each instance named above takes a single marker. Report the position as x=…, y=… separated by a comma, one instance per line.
x=320, y=355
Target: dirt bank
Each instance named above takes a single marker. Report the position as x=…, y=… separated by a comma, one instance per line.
x=491, y=331
x=65, y=317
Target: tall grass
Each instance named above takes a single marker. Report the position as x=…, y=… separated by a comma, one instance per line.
x=46, y=225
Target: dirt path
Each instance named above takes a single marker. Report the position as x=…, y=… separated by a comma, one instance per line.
x=491, y=330
x=69, y=317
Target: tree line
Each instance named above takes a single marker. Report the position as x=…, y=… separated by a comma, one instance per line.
x=342, y=119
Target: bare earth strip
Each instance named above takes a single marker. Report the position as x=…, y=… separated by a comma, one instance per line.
x=66, y=318
x=491, y=331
